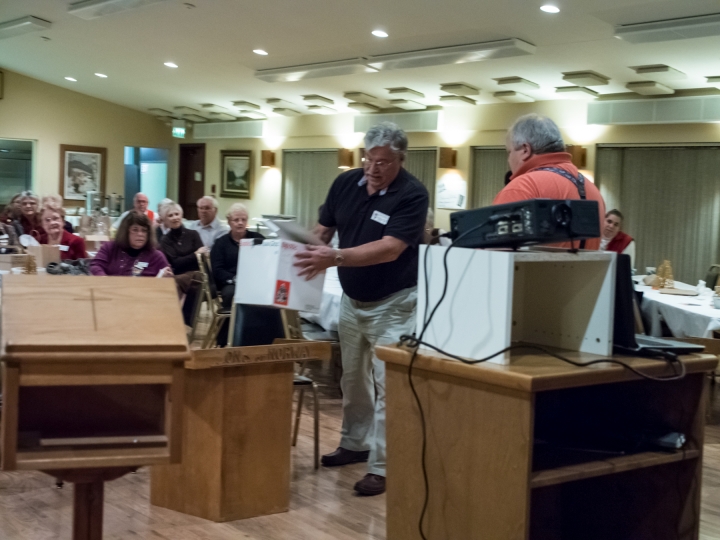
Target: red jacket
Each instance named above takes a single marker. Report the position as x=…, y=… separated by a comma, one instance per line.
x=527, y=183
x=72, y=247
x=619, y=242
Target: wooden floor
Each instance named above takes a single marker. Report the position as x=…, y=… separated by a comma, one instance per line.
x=323, y=506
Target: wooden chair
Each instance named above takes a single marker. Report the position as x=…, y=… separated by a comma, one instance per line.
x=218, y=314
x=293, y=330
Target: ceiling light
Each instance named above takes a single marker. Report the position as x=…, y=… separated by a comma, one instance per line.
x=213, y=107
x=277, y=102
x=185, y=110
x=318, y=100
x=92, y=9
x=457, y=101
x=321, y=109
x=585, y=78
x=517, y=83
x=649, y=88
x=195, y=118
x=670, y=30
x=402, y=92
x=171, y=64
x=460, y=89
x=359, y=97
x=160, y=112
x=457, y=54
x=286, y=112
x=513, y=97
x=363, y=107
x=714, y=81
x=252, y=114
x=352, y=66
x=407, y=104
x=222, y=116
x=576, y=92
x=70, y=79
x=260, y=52
x=101, y=75
x=379, y=33
x=549, y=8
x=21, y=26
x=245, y=106
x=660, y=72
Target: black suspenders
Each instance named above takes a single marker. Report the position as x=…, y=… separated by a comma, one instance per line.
x=578, y=182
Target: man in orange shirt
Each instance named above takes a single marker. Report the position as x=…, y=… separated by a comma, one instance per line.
x=541, y=169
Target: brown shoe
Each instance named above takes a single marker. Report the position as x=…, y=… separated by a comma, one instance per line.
x=371, y=484
x=342, y=456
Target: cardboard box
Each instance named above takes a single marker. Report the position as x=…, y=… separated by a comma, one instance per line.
x=44, y=254
x=266, y=277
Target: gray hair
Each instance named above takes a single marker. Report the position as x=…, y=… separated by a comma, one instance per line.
x=135, y=197
x=539, y=132
x=237, y=207
x=387, y=134
x=210, y=198
x=165, y=209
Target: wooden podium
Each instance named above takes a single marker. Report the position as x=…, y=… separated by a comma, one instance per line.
x=236, y=433
x=92, y=380
x=497, y=471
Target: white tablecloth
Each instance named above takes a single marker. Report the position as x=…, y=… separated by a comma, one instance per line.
x=686, y=316
x=329, y=314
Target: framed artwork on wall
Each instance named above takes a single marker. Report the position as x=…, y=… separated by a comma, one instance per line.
x=82, y=169
x=236, y=173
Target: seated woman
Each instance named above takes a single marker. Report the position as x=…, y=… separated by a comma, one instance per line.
x=29, y=217
x=224, y=257
x=71, y=247
x=11, y=215
x=132, y=253
x=613, y=239
x=180, y=245
x=57, y=202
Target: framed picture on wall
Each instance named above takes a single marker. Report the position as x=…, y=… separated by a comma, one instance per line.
x=82, y=169
x=236, y=173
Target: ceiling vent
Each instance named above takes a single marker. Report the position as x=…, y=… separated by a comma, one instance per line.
x=669, y=30
x=585, y=78
x=660, y=72
x=517, y=83
x=92, y=9
x=363, y=107
x=459, y=89
x=649, y=88
x=513, y=97
x=696, y=109
x=408, y=121
x=457, y=101
x=228, y=130
x=23, y=25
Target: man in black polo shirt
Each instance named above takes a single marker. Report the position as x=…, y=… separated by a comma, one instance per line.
x=379, y=212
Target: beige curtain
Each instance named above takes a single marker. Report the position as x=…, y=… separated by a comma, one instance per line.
x=489, y=165
x=670, y=197
x=422, y=164
x=307, y=177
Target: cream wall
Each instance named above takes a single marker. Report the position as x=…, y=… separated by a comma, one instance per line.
x=51, y=115
x=461, y=129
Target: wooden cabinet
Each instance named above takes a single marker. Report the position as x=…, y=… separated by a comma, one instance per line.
x=508, y=449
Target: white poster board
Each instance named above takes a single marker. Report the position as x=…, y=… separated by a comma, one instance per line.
x=451, y=193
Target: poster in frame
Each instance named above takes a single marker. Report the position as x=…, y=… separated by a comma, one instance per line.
x=82, y=169
x=236, y=173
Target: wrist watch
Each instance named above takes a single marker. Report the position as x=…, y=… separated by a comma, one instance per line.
x=339, y=259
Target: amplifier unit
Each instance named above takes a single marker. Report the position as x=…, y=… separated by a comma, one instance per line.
x=522, y=223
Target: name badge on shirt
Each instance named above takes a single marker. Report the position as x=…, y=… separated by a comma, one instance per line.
x=141, y=265
x=63, y=248
x=380, y=217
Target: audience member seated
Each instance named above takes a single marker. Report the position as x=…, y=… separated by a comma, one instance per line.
x=132, y=253
x=180, y=246
x=613, y=239
x=71, y=247
x=11, y=214
x=140, y=205
x=160, y=227
x=29, y=217
x=224, y=258
x=57, y=202
x=208, y=226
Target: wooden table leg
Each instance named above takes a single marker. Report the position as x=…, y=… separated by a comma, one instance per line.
x=88, y=510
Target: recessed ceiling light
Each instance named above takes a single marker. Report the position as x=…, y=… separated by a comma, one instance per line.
x=101, y=75
x=549, y=8
x=379, y=33
x=260, y=52
x=171, y=64
x=70, y=79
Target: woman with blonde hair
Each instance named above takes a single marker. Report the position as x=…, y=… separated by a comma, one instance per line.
x=71, y=247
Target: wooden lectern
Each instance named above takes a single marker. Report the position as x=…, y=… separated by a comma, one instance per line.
x=236, y=432
x=92, y=380
x=534, y=450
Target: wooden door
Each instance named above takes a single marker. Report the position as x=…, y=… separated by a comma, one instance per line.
x=191, y=178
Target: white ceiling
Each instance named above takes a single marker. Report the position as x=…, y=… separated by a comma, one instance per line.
x=213, y=42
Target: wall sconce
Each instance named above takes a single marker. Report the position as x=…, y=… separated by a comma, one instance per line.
x=448, y=158
x=345, y=158
x=578, y=155
x=267, y=158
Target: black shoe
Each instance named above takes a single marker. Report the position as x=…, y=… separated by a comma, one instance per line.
x=341, y=456
x=371, y=484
